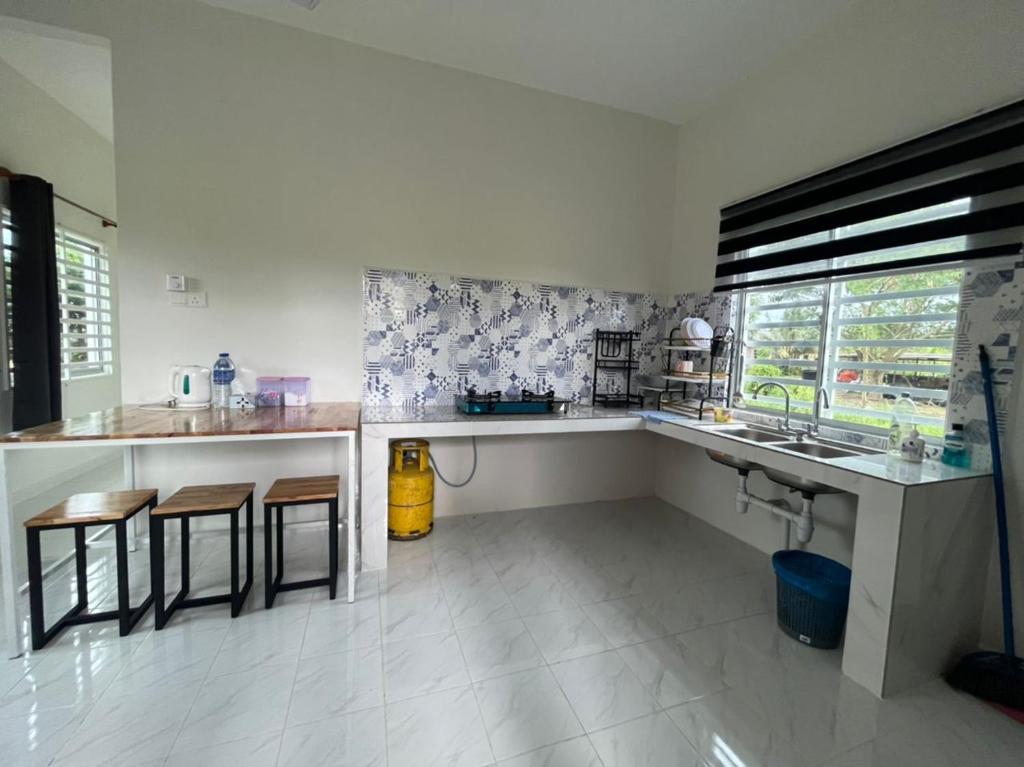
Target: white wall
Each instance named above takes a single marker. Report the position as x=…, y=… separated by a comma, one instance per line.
x=273, y=164
x=889, y=72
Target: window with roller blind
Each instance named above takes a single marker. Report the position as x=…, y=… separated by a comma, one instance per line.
x=87, y=337
x=850, y=280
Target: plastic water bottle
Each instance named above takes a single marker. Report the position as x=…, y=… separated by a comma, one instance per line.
x=223, y=375
x=904, y=420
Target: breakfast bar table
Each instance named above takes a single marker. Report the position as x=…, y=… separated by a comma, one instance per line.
x=133, y=426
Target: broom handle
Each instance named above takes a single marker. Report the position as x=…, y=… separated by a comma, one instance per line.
x=997, y=478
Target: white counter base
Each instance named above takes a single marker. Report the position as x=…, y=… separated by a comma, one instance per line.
x=920, y=549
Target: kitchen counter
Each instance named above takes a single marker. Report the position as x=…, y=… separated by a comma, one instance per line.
x=875, y=465
x=921, y=539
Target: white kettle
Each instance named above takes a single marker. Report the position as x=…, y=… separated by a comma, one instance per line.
x=190, y=385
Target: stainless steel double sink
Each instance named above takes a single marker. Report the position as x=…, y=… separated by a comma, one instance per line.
x=815, y=448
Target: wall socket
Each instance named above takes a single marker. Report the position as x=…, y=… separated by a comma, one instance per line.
x=195, y=299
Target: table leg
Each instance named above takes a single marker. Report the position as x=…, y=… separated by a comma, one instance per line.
x=352, y=481
x=129, y=481
x=12, y=615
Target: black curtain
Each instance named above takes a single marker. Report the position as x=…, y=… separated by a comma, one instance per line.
x=35, y=304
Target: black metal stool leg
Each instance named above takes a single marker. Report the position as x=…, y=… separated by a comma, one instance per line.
x=268, y=558
x=81, y=575
x=332, y=547
x=248, y=545
x=156, y=569
x=280, y=545
x=236, y=605
x=35, y=589
x=123, y=607
x=186, y=555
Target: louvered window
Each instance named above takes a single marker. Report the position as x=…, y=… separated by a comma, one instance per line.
x=87, y=338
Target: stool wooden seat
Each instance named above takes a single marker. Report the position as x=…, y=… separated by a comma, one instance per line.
x=78, y=512
x=94, y=508
x=303, y=490
x=200, y=501
x=299, y=491
x=205, y=499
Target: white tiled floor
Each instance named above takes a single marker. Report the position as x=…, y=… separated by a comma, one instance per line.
x=612, y=634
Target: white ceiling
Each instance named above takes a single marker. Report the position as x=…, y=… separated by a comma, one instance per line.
x=663, y=58
x=72, y=69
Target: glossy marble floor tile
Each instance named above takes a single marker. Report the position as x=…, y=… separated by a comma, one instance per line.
x=565, y=634
x=427, y=664
x=577, y=752
x=354, y=740
x=499, y=648
x=602, y=690
x=593, y=635
x=327, y=685
x=652, y=741
x=525, y=711
x=440, y=728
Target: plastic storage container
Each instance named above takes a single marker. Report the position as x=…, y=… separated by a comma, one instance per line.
x=296, y=392
x=813, y=595
x=269, y=391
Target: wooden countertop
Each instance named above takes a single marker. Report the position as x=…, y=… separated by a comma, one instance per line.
x=135, y=422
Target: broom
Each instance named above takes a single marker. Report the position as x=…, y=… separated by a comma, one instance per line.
x=995, y=677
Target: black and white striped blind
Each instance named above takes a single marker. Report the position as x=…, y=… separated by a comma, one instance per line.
x=954, y=195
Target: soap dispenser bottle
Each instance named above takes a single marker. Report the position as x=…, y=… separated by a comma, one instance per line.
x=912, y=448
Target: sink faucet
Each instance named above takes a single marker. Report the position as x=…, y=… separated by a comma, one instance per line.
x=821, y=393
x=765, y=385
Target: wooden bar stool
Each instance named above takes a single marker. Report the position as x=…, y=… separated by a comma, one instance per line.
x=299, y=491
x=200, y=501
x=79, y=512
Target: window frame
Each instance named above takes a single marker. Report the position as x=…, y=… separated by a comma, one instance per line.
x=102, y=279
x=824, y=370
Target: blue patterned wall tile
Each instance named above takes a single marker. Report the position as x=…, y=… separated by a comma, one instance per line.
x=990, y=314
x=427, y=337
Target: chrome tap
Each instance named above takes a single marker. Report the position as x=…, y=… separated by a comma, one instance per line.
x=822, y=392
x=766, y=384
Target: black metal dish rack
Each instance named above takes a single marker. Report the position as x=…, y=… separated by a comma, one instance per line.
x=676, y=394
x=616, y=351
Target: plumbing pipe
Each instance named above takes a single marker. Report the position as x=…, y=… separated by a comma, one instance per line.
x=804, y=519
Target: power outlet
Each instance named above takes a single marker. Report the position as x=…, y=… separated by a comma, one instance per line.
x=196, y=299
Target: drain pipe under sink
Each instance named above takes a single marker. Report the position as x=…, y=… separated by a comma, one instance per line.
x=803, y=519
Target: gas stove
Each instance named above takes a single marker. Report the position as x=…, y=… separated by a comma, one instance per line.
x=495, y=403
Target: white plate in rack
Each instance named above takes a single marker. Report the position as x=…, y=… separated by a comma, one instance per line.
x=698, y=332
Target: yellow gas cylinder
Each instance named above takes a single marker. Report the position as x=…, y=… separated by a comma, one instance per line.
x=410, y=490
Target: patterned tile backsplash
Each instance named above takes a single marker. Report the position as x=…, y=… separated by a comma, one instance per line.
x=427, y=337
x=991, y=299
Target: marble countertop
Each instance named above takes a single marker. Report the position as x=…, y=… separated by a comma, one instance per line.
x=448, y=414
x=871, y=464
x=875, y=465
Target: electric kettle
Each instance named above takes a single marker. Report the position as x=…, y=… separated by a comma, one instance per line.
x=190, y=385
